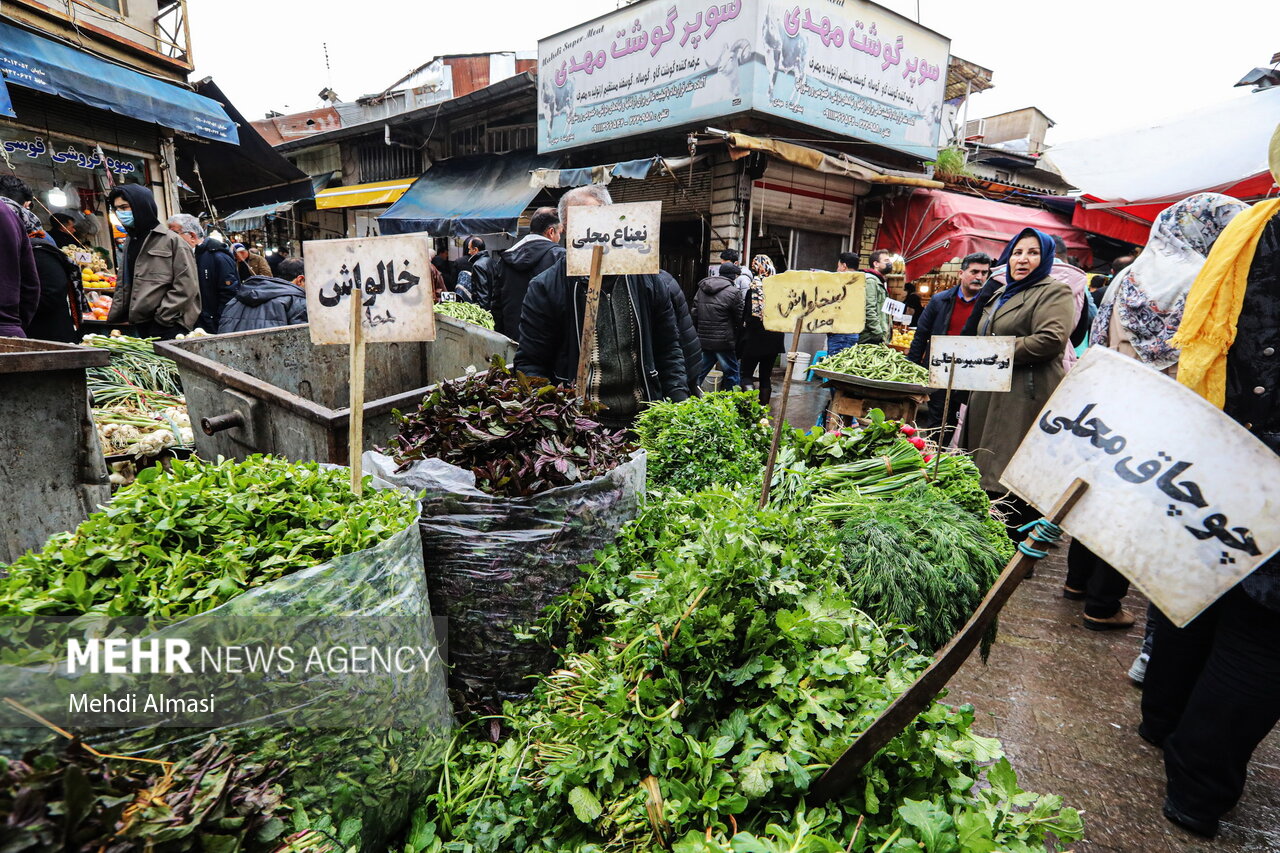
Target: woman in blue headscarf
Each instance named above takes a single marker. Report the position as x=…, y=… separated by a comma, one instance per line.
x=1039, y=312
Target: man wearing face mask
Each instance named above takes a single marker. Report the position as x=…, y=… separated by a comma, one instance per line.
x=876, y=330
x=158, y=289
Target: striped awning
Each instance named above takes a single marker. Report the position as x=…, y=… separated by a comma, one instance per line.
x=363, y=195
x=252, y=218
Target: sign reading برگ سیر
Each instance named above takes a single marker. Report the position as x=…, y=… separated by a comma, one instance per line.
x=979, y=364
x=856, y=69
x=628, y=234
x=829, y=302
x=1182, y=500
x=392, y=275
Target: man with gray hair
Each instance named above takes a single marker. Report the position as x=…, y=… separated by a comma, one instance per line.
x=215, y=265
x=637, y=357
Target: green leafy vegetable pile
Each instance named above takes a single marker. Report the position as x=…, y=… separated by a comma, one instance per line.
x=720, y=438
x=518, y=435
x=466, y=312
x=72, y=799
x=873, y=361
x=715, y=666
x=135, y=377
x=176, y=544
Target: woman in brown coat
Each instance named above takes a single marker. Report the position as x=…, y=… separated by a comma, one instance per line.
x=1039, y=311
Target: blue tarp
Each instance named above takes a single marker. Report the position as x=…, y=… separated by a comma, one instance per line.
x=6, y=105
x=57, y=69
x=477, y=194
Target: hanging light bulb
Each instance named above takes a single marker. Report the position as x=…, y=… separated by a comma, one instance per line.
x=56, y=197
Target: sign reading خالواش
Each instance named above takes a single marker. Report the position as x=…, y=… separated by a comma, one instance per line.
x=829, y=302
x=391, y=274
x=1182, y=500
x=628, y=233
x=979, y=364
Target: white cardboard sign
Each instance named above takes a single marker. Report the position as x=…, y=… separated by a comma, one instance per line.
x=391, y=274
x=893, y=307
x=1182, y=500
x=829, y=302
x=628, y=233
x=980, y=364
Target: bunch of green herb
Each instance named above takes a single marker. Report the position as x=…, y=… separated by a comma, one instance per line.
x=174, y=544
x=136, y=376
x=716, y=439
x=715, y=668
x=915, y=558
x=518, y=435
x=961, y=481
x=874, y=361
x=74, y=799
x=876, y=459
x=466, y=312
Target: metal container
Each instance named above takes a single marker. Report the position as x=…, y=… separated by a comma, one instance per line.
x=273, y=391
x=52, y=472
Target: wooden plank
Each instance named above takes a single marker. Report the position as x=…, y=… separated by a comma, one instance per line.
x=589, y=320
x=782, y=411
x=841, y=776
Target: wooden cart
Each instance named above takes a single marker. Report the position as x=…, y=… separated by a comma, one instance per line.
x=855, y=397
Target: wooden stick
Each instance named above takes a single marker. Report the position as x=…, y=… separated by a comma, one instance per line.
x=843, y=773
x=355, y=426
x=589, y=320
x=782, y=412
x=946, y=412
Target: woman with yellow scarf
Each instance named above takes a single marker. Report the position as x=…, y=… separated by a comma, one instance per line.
x=1212, y=689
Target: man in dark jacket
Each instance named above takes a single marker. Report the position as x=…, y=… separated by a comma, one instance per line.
x=946, y=314
x=717, y=313
x=690, y=345
x=637, y=357
x=215, y=266
x=265, y=303
x=465, y=282
x=511, y=272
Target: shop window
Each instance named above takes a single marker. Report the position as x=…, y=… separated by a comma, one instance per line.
x=116, y=6
x=380, y=162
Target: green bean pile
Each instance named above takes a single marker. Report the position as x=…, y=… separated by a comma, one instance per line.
x=466, y=312
x=872, y=361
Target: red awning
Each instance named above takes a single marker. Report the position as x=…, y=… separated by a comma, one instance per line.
x=1132, y=222
x=931, y=227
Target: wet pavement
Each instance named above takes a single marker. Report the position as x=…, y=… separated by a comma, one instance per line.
x=1058, y=697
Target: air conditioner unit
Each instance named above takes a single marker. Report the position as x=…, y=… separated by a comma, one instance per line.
x=975, y=131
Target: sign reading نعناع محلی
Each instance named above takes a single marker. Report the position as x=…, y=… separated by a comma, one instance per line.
x=391, y=275
x=1182, y=500
x=628, y=234
x=829, y=302
x=979, y=364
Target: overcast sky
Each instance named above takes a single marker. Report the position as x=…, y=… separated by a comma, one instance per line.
x=1093, y=66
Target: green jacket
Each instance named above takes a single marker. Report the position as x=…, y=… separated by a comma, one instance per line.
x=876, y=330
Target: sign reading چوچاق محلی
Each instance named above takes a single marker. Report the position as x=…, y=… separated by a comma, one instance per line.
x=391, y=275
x=628, y=233
x=829, y=302
x=979, y=364
x=857, y=69
x=1182, y=500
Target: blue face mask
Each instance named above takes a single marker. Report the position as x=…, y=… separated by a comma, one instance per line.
x=125, y=217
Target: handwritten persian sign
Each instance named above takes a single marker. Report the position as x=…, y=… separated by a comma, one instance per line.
x=853, y=68
x=829, y=302
x=390, y=274
x=980, y=364
x=1182, y=499
x=628, y=233
x=893, y=307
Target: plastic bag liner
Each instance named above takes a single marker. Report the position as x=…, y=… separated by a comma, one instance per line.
x=494, y=563
x=333, y=671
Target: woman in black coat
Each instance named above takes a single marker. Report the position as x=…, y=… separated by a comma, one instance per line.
x=760, y=347
x=59, y=281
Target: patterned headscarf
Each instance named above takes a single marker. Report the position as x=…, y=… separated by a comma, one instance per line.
x=30, y=222
x=1152, y=291
x=761, y=267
